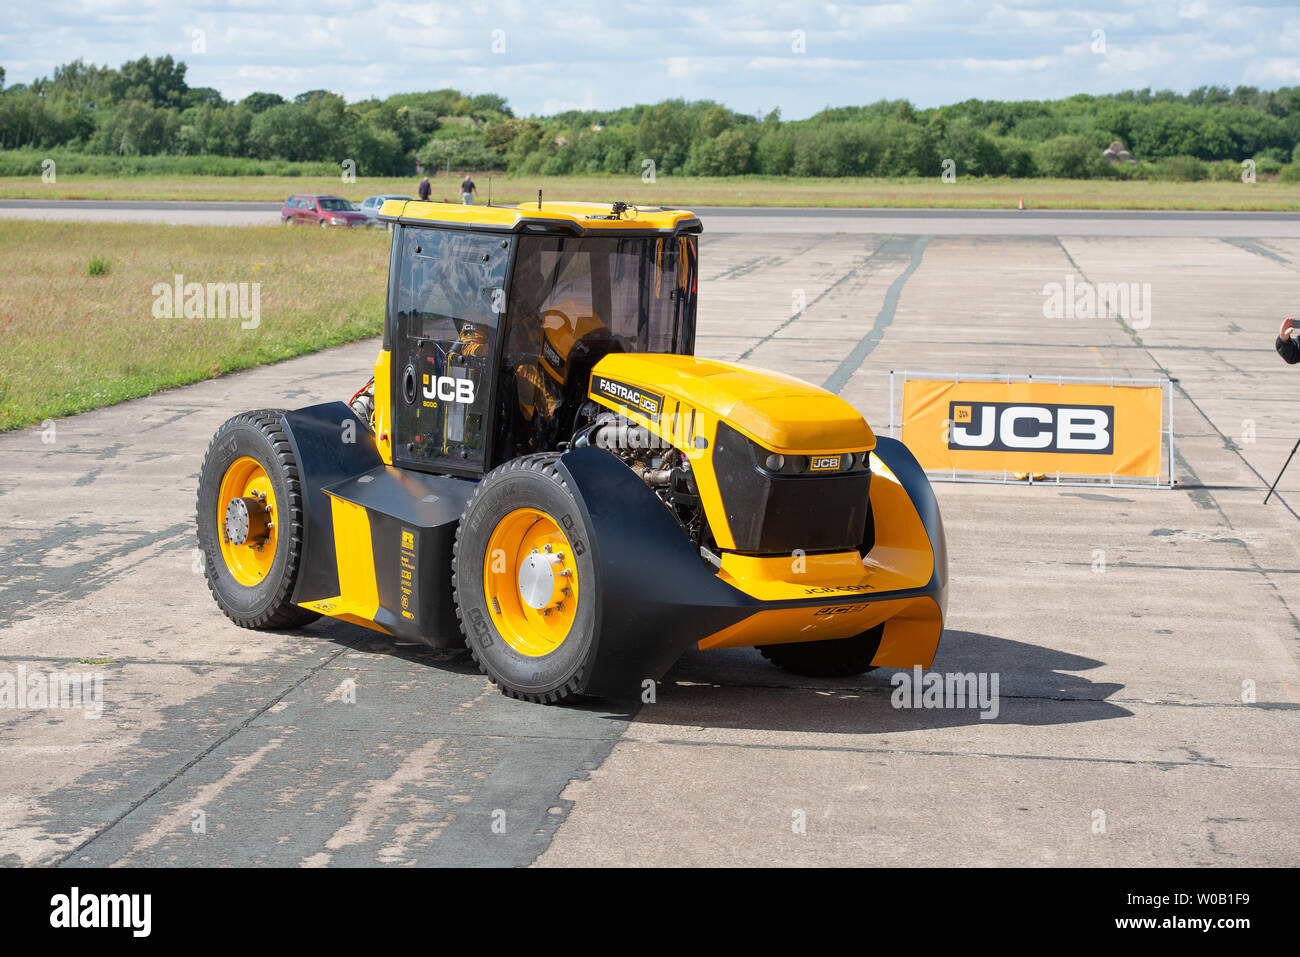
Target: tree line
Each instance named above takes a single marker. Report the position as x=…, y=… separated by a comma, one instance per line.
x=145, y=108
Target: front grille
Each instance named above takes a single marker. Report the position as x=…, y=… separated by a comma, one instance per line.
x=773, y=513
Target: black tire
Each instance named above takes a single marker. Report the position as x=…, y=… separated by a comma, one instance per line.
x=530, y=481
x=837, y=658
x=266, y=605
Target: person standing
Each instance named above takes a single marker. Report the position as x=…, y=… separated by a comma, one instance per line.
x=468, y=191
x=425, y=189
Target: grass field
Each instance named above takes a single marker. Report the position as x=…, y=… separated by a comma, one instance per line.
x=73, y=341
x=696, y=191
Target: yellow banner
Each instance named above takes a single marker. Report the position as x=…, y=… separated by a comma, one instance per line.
x=1074, y=429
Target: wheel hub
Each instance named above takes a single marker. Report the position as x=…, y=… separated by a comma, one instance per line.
x=247, y=521
x=537, y=580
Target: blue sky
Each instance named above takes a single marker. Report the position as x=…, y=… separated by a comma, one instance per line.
x=560, y=54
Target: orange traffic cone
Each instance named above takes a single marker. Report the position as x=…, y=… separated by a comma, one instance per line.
x=1022, y=202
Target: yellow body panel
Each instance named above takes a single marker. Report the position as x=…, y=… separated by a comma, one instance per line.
x=358, y=598
x=383, y=406
x=911, y=636
x=910, y=639
x=902, y=556
x=337, y=607
x=788, y=577
x=587, y=215
x=777, y=411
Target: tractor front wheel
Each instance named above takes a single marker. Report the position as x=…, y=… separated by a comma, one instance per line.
x=524, y=581
x=250, y=522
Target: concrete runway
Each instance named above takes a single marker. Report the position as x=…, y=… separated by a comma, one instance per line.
x=1122, y=737
x=757, y=220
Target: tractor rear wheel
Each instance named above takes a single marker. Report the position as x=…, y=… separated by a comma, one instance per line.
x=837, y=658
x=250, y=522
x=524, y=581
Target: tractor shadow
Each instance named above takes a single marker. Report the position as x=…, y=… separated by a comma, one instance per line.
x=363, y=640
x=738, y=688
x=404, y=659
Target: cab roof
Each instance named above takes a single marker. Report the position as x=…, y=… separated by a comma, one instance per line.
x=571, y=218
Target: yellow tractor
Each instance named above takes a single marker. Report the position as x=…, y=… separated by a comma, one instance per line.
x=542, y=470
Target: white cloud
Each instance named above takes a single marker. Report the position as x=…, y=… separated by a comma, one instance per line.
x=1007, y=66
x=1278, y=70
x=555, y=105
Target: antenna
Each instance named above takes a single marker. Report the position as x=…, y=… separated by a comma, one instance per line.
x=489, y=190
x=539, y=200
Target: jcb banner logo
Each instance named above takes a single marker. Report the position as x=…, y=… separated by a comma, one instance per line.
x=1012, y=427
x=1054, y=427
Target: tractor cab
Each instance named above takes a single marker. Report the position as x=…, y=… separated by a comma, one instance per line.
x=496, y=318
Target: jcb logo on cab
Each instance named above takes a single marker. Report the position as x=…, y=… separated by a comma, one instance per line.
x=448, y=389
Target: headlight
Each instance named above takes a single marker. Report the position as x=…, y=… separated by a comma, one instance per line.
x=338, y=221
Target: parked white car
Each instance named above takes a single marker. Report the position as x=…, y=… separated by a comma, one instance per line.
x=370, y=206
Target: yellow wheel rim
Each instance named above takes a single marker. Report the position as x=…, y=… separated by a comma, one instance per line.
x=530, y=580
x=249, y=561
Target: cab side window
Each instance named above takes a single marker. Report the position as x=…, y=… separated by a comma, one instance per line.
x=450, y=297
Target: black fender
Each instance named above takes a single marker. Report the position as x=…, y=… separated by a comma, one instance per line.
x=655, y=596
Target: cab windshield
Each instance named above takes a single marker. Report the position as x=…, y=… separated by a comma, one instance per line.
x=573, y=301
x=626, y=294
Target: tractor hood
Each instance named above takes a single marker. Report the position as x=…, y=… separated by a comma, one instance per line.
x=777, y=411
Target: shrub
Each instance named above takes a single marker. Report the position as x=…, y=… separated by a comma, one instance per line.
x=1069, y=157
x=1267, y=162
x=1183, y=169
x=1224, y=171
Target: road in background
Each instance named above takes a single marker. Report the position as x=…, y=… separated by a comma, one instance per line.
x=758, y=220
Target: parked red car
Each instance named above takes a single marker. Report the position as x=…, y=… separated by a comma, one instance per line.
x=321, y=211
